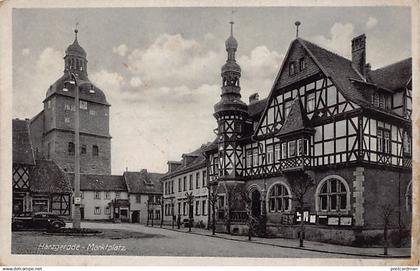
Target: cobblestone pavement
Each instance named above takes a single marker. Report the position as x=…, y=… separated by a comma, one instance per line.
x=157, y=242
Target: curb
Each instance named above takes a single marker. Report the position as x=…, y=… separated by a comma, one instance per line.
x=291, y=247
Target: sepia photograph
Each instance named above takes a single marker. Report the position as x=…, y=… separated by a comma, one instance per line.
x=279, y=132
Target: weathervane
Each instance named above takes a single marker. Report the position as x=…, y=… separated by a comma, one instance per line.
x=231, y=22
x=76, y=29
x=297, y=23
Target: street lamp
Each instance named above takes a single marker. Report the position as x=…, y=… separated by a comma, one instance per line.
x=77, y=196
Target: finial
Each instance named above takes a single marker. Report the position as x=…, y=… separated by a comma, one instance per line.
x=231, y=27
x=297, y=23
x=76, y=30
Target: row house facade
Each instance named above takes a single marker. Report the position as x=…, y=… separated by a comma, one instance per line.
x=184, y=179
x=344, y=126
x=134, y=196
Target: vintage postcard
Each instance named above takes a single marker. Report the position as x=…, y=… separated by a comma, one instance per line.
x=209, y=133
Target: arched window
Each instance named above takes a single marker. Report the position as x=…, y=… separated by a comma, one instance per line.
x=279, y=198
x=409, y=198
x=332, y=195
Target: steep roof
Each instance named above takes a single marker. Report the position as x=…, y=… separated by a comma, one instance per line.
x=340, y=70
x=22, y=146
x=48, y=177
x=394, y=77
x=86, y=93
x=256, y=108
x=196, y=160
x=296, y=120
x=143, y=182
x=75, y=49
x=97, y=182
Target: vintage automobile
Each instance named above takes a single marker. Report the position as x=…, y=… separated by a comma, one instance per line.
x=40, y=220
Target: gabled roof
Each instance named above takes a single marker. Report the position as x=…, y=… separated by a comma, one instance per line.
x=339, y=69
x=22, y=146
x=48, y=177
x=296, y=120
x=96, y=182
x=394, y=77
x=143, y=182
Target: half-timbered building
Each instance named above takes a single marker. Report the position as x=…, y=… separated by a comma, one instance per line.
x=38, y=185
x=345, y=126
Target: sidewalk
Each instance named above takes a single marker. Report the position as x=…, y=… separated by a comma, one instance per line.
x=375, y=252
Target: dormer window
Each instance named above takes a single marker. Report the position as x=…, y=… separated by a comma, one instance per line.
x=302, y=64
x=292, y=68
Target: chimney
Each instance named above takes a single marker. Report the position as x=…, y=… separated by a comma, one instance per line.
x=254, y=98
x=358, y=53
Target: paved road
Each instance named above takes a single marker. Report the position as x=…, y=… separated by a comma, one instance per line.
x=156, y=242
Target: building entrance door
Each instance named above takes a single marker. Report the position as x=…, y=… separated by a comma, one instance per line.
x=82, y=213
x=135, y=217
x=256, y=203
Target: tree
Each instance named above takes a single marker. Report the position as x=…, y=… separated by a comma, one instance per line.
x=213, y=201
x=385, y=213
x=190, y=201
x=300, y=184
x=250, y=221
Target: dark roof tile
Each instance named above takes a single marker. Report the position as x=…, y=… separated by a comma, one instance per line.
x=394, y=77
x=96, y=182
x=22, y=146
x=143, y=182
x=296, y=120
x=48, y=177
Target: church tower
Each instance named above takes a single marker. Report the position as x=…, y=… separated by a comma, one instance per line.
x=230, y=113
x=52, y=130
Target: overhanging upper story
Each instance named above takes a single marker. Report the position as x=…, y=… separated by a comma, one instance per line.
x=325, y=110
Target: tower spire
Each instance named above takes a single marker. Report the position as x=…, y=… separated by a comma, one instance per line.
x=231, y=27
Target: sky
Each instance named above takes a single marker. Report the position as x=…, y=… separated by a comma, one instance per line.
x=160, y=67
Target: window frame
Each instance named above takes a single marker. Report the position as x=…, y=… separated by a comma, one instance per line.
x=279, y=198
x=330, y=196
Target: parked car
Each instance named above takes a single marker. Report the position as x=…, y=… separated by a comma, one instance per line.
x=40, y=220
